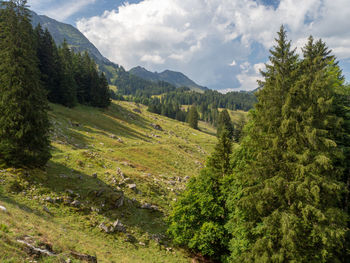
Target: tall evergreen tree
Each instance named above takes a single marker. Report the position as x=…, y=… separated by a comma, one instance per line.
x=193, y=117
x=68, y=85
x=286, y=199
x=49, y=64
x=225, y=123
x=198, y=219
x=24, y=124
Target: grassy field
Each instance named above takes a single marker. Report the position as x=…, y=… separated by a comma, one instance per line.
x=106, y=165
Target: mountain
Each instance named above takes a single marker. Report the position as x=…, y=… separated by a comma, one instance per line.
x=80, y=43
x=178, y=79
x=73, y=36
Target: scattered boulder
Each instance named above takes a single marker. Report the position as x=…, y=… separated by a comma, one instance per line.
x=186, y=178
x=132, y=186
x=120, y=140
x=3, y=209
x=94, y=175
x=36, y=251
x=128, y=181
x=46, y=210
x=49, y=199
x=118, y=226
x=84, y=257
x=130, y=238
x=120, y=173
x=149, y=207
x=105, y=228
x=112, y=136
x=137, y=110
x=76, y=203
x=120, y=202
x=157, y=127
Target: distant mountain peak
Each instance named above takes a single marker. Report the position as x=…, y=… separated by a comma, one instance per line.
x=175, y=78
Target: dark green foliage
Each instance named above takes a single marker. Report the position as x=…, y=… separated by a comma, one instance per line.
x=23, y=105
x=219, y=161
x=49, y=64
x=225, y=123
x=288, y=188
x=193, y=117
x=68, y=84
x=198, y=219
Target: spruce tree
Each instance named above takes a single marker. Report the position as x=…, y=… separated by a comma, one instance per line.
x=193, y=117
x=288, y=188
x=24, y=124
x=198, y=218
x=225, y=123
x=68, y=86
x=49, y=65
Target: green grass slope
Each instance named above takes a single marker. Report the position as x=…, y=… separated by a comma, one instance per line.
x=97, y=157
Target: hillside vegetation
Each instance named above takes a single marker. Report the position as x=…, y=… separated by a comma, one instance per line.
x=107, y=165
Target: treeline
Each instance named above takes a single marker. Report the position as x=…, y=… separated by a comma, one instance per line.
x=207, y=103
x=33, y=71
x=283, y=194
x=69, y=77
x=212, y=99
x=129, y=84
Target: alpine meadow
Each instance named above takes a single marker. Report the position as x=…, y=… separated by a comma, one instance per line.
x=101, y=162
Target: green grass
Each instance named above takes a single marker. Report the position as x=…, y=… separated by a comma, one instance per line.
x=85, y=142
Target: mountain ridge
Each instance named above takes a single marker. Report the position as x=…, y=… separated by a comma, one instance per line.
x=178, y=79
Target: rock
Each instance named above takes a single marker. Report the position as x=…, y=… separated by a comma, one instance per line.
x=112, y=136
x=169, y=249
x=84, y=257
x=94, y=175
x=120, y=202
x=119, y=172
x=172, y=182
x=37, y=251
x=128, y=181
x=186, y=178
x=132, y=186
x=120, y=140
x=118, y=226
x=149, y=207
x=69, y=191
x=142, y=244
x=105, y=228
x=3, y=209
x=157, y=127
x=130, y=238
x=76, y=203
x=128, y=164
x=49, y=199
x=46, y=209
x=137, y=110
x=75, y=124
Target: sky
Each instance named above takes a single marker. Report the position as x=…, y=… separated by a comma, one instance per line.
x=220, y=44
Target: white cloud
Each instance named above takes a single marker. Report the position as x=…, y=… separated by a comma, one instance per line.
x=233, y=63
x=197, y=37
